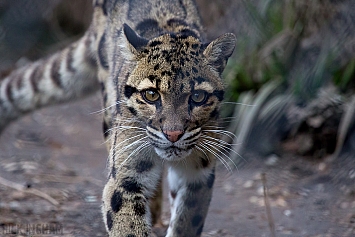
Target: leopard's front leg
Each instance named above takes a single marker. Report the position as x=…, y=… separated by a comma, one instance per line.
x=132, y=181
x=190, y=195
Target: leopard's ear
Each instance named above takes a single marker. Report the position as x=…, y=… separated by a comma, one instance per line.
x=219, y=50
x=135, y=41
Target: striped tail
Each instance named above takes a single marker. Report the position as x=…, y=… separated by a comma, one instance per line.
x=64, y=76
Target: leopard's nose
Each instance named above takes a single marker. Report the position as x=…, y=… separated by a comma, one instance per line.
x=173, y=136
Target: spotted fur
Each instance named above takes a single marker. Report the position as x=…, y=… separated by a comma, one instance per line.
x=161, y=88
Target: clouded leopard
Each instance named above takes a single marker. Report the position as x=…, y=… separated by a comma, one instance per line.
x=161, y=88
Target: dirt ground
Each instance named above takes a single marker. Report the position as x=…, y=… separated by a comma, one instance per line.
x=59, y=151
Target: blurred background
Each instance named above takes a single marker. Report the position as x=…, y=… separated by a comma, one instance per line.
x=290, y=89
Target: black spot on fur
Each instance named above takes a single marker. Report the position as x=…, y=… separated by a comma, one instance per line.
x=219, y=94
x=196, y=220
x=156, y=67
x=187, y=32
x=152, y=78
x=130, y=235
x=139, y=209
x=155, y=43
x=181, y=87
x=131, y=185
x=147, y=26
x=109, y=220
x=129, y=90
x=102, y=53
x=176, y=22
x=194, y=46
x=133, y=111
x=194, y=187
x=200, y=80
x=143, y=166
x=163, y=73
x=194, y=70
x=210, y=180
x=116, y=201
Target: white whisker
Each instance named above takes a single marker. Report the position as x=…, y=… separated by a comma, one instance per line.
x=208, y=148
x=221, y=149
x=237, y=103
x=108, y=107
x=223, y=132
x=136, y=150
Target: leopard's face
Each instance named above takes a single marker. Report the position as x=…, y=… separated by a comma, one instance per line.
x=175, y=92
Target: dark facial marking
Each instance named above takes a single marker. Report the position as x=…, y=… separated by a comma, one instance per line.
x=129, y=90
x=109, y=220
x=116, y=201
x=200, y=80
x=143, y=166
x=131, y=185
x=219, y=94
x=215, y=113
x=133, y=111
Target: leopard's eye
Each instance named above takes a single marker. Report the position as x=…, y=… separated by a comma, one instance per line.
x=199, y=97
x=151, y=95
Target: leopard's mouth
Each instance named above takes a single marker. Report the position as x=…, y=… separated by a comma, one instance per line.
x=172, y=153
